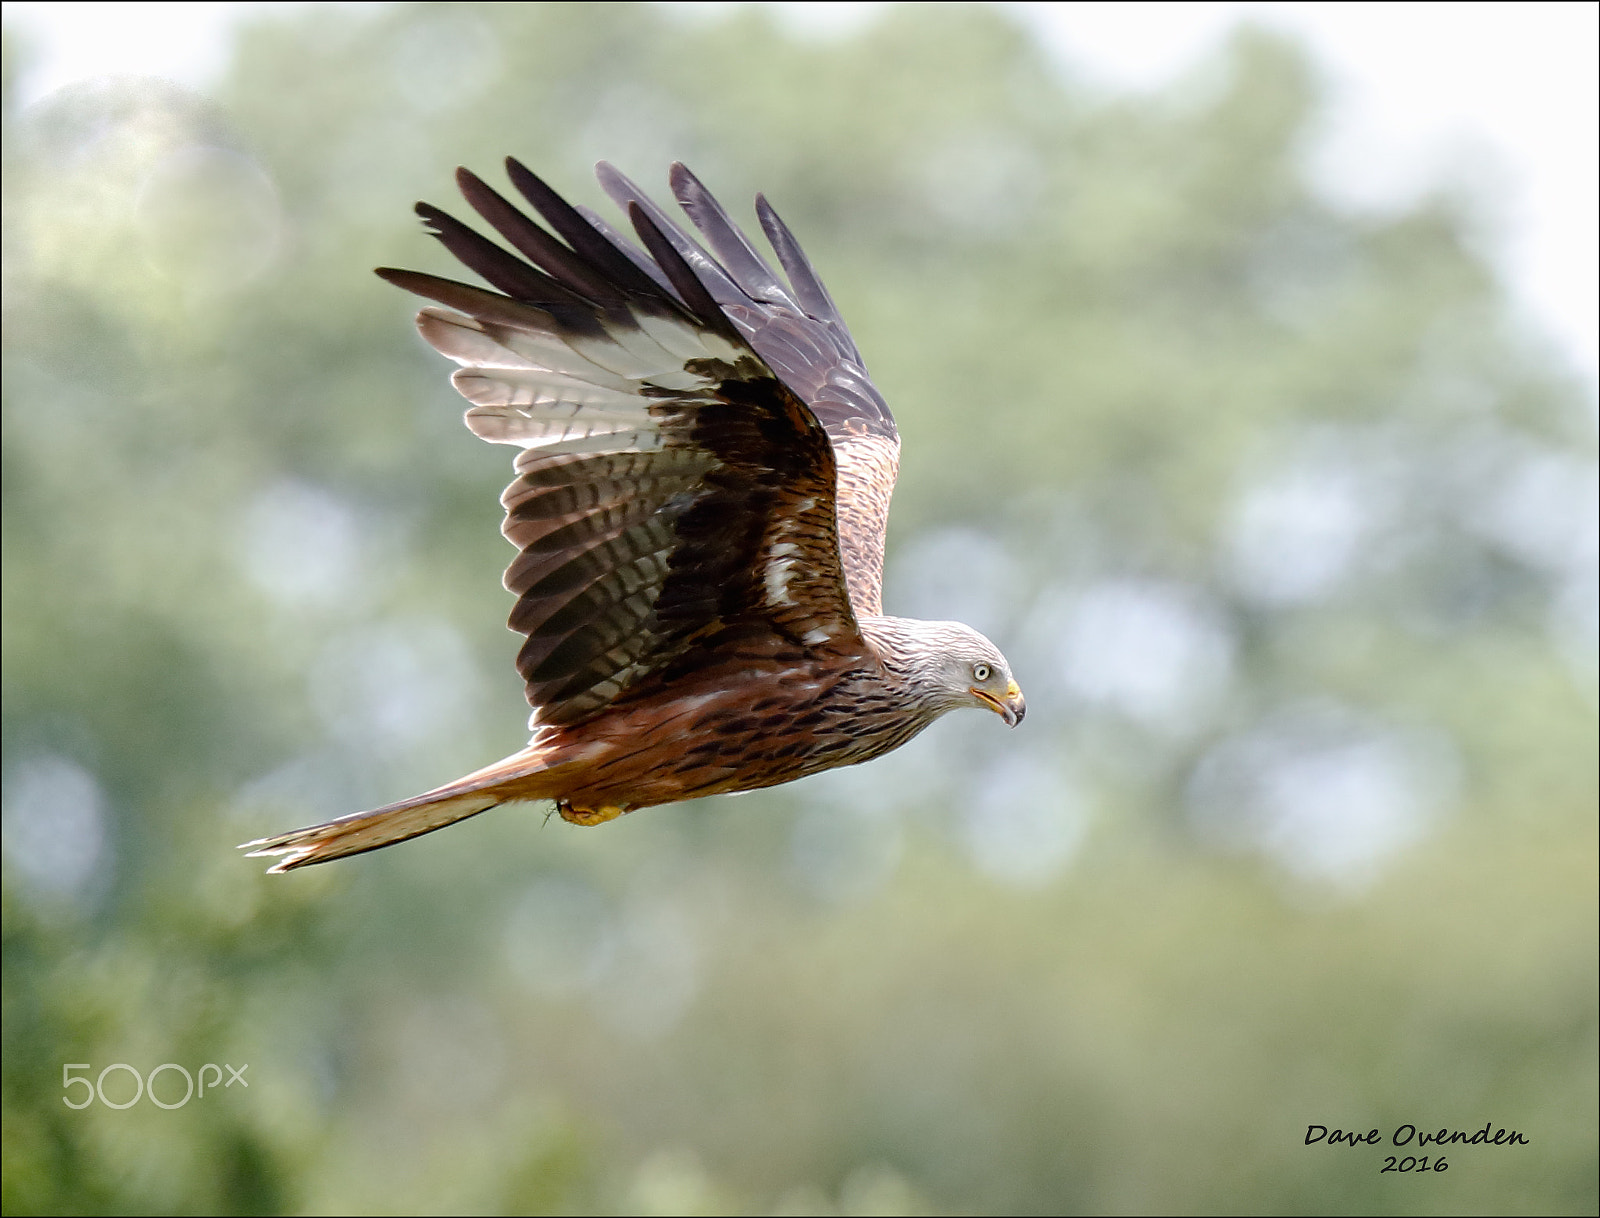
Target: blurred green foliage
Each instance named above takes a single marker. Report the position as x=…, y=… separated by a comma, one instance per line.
x=1315, y=845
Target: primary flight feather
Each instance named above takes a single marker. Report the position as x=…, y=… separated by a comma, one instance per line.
x=699, y=512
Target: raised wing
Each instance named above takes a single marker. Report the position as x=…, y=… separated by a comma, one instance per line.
x=670, y=485
x=797, y=330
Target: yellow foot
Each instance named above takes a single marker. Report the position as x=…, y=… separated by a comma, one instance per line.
x=588, y=816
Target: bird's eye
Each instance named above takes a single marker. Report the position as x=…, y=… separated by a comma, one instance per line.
x=982, y=672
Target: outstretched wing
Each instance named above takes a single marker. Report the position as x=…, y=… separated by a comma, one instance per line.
x=797, y=330
x=670, y=485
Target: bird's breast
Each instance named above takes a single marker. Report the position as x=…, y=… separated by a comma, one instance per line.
x=739, y=726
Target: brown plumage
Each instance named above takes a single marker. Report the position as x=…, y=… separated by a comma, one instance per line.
x=699, y=511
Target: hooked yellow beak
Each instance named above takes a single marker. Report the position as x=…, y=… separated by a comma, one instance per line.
x=1012, y=709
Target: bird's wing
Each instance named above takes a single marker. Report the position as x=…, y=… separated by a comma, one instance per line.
x=796, y=328
x=669, y=485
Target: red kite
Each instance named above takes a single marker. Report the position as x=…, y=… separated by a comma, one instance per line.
x=702, y=487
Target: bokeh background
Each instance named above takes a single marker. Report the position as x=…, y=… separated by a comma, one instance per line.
x=1283, y=509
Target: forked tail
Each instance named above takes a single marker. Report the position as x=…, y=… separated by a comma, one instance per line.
x=515, y=778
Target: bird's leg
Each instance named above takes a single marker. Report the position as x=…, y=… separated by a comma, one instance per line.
x=587, y=816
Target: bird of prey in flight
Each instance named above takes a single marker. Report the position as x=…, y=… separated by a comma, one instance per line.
x=702, y=484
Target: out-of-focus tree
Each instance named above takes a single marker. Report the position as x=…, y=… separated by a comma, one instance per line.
x=1285, y=520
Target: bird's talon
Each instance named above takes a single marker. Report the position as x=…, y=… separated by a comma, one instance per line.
x=588, y=816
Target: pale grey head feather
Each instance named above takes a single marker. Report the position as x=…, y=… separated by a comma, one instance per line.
x=936, y=661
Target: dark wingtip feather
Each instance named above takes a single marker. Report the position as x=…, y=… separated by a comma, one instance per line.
x=568, y=268
x=505, y=271
x=591, y=241
x=681, y=274
x=711, y=273
x=630, y=251
x=753, y=274
x=813, y=294
x=470, y=299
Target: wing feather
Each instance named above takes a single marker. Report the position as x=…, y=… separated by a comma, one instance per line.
x=627, y=196
x=747, y=268
x=629, y=250
x=567, y=268
x=511, y=275
x=670, y=485
x=603, y=250
x=798, y=332
x=808, y=286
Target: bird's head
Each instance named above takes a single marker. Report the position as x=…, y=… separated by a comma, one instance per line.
x=980, y=676
x=953, y=666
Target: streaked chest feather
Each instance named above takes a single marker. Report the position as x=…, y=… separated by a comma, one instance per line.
x=757, y=729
